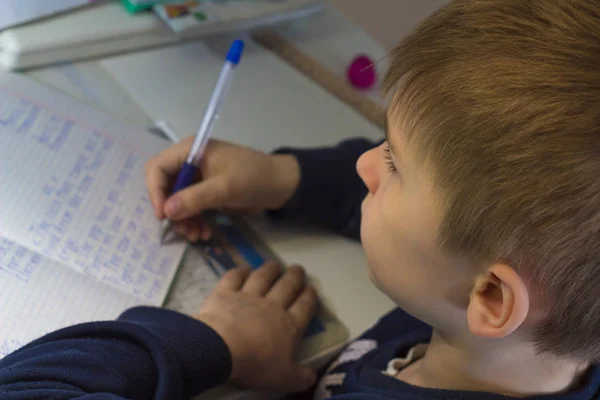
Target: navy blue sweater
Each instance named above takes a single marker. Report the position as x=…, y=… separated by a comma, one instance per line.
x=151, y=353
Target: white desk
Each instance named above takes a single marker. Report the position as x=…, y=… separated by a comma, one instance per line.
x=270, y=105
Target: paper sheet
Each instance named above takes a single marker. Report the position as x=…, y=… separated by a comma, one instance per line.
x=73, y=190
x=38, y=296
x=16, y=12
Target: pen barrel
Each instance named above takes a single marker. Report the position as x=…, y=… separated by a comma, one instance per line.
x=211, y=113
x=186, y=177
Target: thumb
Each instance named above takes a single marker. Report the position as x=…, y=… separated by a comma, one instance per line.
x=302, y=378
x=192, y=201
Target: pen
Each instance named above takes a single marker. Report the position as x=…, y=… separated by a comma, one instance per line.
x=190, y=168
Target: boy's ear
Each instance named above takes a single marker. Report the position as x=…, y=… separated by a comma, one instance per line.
x=499, y=302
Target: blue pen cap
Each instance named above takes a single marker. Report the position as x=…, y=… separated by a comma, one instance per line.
x=235, y=52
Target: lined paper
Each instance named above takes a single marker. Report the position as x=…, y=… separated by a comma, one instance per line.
x=73, y=190
x=38, y=296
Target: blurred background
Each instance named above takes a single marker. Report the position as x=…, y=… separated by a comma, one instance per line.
x=388, y=20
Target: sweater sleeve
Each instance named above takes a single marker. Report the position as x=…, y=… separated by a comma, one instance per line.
x=148, y=353
x=330, y=191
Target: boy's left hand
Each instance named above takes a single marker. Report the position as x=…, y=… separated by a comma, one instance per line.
x=262, y=317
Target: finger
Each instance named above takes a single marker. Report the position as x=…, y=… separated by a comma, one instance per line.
x=234, y=279
x=190, y=202
x=206, y=232
x=159, y=171
x=304, y=308
x=193, y=229
x=188, y=230
x=180, y=229
x=199, y=229
x=193, y=232
x=261, y=280
x=157, y=184
x=287, y=289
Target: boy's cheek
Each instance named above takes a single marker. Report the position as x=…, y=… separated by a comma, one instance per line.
x=377, y=243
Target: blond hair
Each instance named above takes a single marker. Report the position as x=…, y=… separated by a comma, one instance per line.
x=503, y=98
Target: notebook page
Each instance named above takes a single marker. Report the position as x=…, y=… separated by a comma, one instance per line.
x=34, y=300
x=73, y=190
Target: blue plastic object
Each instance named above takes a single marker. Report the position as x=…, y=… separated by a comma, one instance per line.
x=235, y=52
x=186, y=177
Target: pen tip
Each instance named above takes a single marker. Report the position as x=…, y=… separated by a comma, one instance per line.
x=166, y=227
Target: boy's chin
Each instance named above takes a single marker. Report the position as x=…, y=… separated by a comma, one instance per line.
x=380, y=283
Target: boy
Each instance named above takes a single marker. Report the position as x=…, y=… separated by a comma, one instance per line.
x=480, y=216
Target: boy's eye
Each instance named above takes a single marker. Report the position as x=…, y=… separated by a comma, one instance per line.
x=388, y=158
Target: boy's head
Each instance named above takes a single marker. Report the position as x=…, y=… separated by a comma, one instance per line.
x=485, y=219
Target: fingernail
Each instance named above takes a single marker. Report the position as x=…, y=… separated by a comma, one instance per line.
x=173, y=208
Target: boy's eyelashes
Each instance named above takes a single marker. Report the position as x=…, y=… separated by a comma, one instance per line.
x=387, y=154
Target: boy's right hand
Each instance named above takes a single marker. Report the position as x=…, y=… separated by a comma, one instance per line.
x=234, y=178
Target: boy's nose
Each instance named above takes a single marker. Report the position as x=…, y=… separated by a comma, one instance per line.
x=368, y=170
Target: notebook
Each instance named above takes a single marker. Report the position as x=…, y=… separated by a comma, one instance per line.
x=78, y=237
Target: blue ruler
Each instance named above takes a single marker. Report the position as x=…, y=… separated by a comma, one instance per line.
x=248, y=251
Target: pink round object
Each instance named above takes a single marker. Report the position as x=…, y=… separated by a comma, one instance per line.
x=361, y=73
